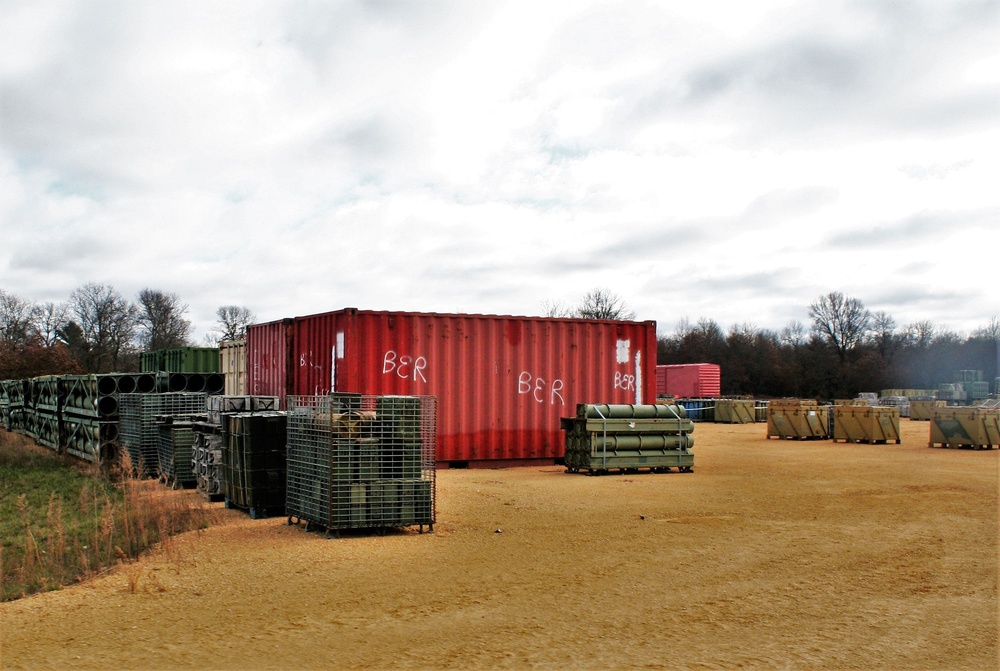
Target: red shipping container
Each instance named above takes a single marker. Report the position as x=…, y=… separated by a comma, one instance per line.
x=502, y=382
x=688, y=380
x=268, y=359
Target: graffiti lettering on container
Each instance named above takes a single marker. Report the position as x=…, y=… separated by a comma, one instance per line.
x=536, y=387
x=404, y=366
x=624, y=381
x=305, y=360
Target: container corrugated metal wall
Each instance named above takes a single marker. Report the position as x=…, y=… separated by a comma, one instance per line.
x=268, y=359
x=688, y=380
x=233, y=365
x=502, y=382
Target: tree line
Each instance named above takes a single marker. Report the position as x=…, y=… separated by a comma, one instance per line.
x=98, y=330
x=845, y=350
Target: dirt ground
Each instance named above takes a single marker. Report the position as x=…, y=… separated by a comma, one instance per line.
x=772, y=554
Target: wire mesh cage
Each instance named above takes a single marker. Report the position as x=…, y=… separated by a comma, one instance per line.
x=362, y=462
x=138, y=430
x=175, y=446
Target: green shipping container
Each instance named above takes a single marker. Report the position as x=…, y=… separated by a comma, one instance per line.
x=191, y=360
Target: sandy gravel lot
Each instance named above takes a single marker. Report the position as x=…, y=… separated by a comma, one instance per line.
x=772, y=554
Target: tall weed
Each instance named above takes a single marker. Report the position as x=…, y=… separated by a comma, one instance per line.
x=62, y=521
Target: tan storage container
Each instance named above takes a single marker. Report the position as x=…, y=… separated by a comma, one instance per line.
x=921, y=410
x=734, y=411
x=233, y=365
x=974, y=428
x=859, y=424
x=797, y=419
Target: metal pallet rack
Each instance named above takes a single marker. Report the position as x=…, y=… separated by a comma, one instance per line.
x=139, y=432
x=362, y=462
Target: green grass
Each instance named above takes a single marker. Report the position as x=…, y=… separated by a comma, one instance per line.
x=62, y=520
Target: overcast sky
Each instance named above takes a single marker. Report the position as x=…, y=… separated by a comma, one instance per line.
x=730, y=160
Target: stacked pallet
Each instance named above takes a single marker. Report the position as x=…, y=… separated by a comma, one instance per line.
x=174, y=449
x=46, y=399
x=602, y=438
x=254, y=462
x=798, y=419
x=361, y=462
x=206, y=461
x=140, y=435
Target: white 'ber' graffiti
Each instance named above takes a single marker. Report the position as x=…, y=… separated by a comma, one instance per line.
x=404, y=366
x=536, y=387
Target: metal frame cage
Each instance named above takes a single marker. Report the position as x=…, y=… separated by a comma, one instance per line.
x=362, y=461
x=140, y=433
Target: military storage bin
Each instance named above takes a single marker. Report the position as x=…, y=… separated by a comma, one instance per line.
x=972, y=428
x=139, y=431
x=361, y=462
x=602, y=438
x=797, y=419
x=865, y=424
x=735, y=411
x=921, y=409
x=175, y=451
x=206, y=461
x=254, y=456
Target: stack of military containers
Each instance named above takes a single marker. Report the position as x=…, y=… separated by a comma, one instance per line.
x=17, y=399
x=110, y=387
x=361, y=462
x=628, y=437
x=81, y=418
x=46, y=399
x=254, y=461
x=139, y=433
x=797, y=419
x=4, y=405
x=206, y=461
x=175, y=449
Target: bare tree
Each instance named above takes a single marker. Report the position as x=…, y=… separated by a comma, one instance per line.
x=161, y=320
x=232, y=323
x=794, y=334
x=600, y=303
x=49, y=318
x=883, y=334
x=842, y=321
x=990, y=331
x=16, y=317
x=108, y=323
x=557, y=309
x=921, y=333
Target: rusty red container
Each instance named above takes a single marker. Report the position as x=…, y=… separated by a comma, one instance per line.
x=502, y=382
x=269, y=369
x=688, y=380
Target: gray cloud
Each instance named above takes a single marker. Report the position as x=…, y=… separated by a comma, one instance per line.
x=918, y=228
